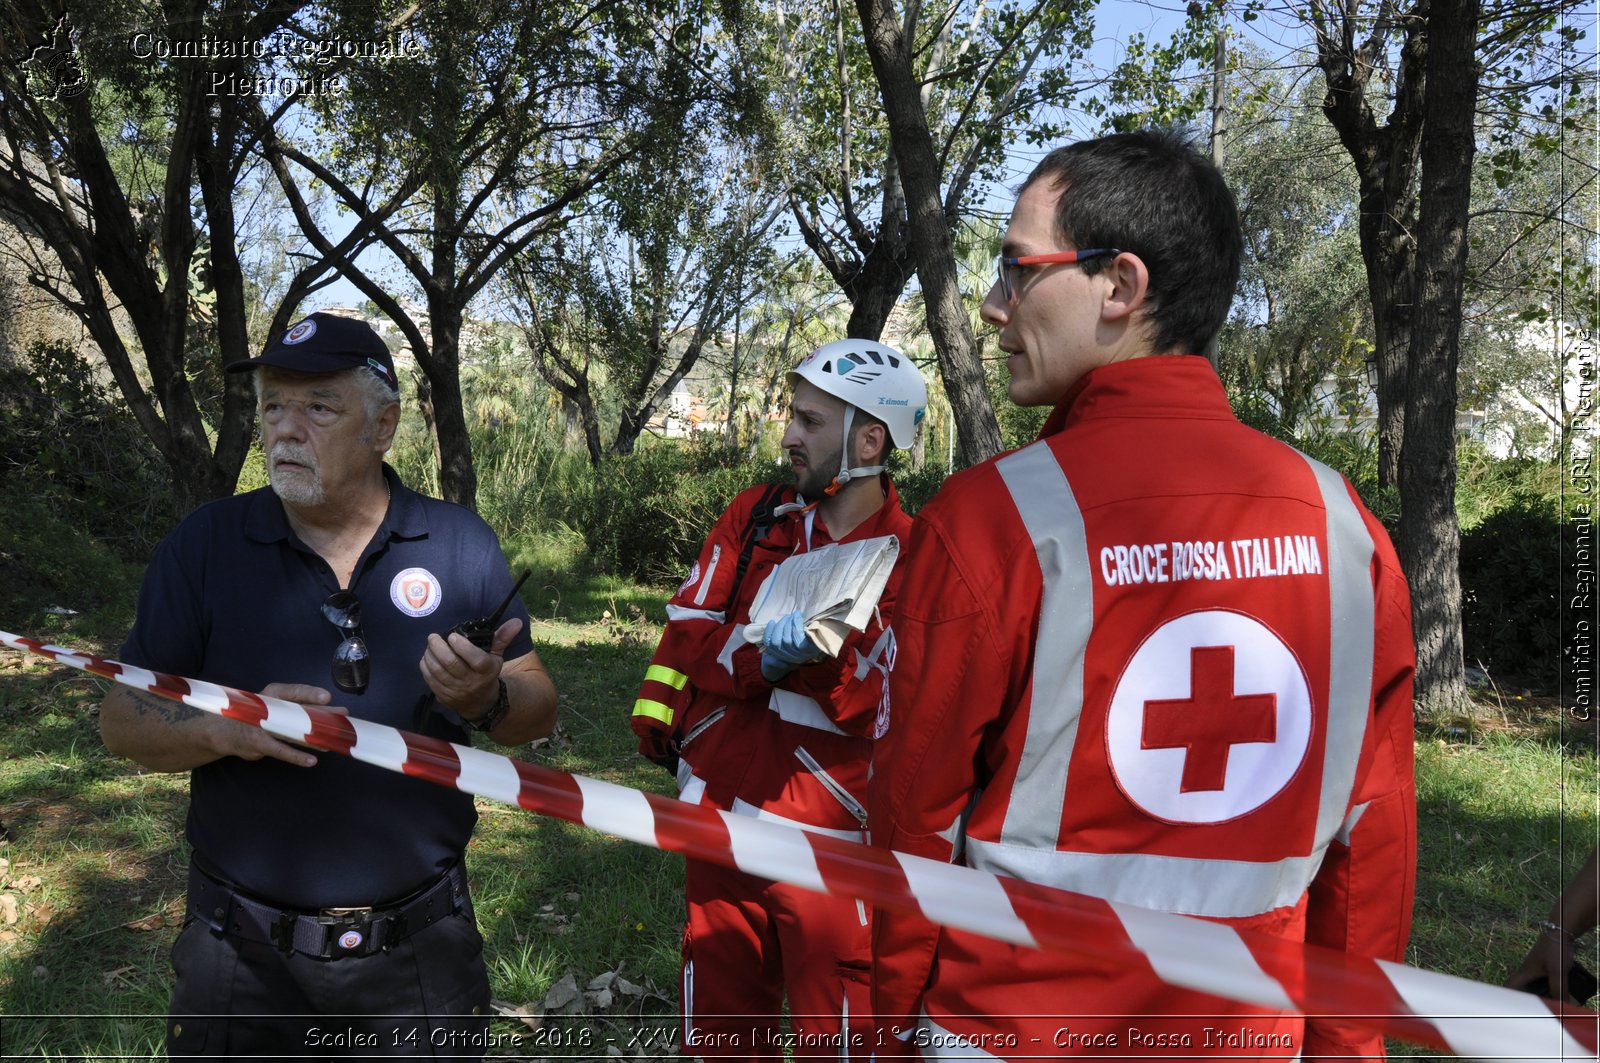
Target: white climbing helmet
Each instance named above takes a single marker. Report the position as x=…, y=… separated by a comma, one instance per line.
x=872, y=377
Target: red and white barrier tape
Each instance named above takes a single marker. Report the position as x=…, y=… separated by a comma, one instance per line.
x=1469, y=1019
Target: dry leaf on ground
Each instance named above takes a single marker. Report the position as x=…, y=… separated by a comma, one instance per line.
x=530, y=1015
x=561, y=995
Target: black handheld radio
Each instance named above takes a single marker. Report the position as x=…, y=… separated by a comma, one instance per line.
x=480, y=632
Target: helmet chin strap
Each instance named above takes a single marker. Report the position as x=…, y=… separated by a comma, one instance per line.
x=846, y=474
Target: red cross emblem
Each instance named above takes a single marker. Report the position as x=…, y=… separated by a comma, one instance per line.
x=1211, y=721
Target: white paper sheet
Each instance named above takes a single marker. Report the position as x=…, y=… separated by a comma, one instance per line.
x=836, y=587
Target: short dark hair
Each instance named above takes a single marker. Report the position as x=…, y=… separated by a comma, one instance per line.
x=1152, y=193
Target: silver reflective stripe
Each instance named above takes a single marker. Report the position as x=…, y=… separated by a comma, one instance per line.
x=1211, y=887
x=1343, y=837
x=1352, y=622
x=875, y=658
x=832, y=785
x=844, y=1024
x=735, y=642
x=802, y=711
x=691, y=788
x=688, y=1001
x=711, y=570
x=741, y=807
x=1220, y=889
x=683, y=612
x=1044, y=501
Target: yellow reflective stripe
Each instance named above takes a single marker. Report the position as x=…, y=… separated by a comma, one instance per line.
x=660, y=673
x=653, y=709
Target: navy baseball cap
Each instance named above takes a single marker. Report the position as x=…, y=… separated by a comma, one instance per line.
x=325, y=343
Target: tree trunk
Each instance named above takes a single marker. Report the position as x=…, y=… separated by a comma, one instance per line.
x=1386, y=161
x=430, y=421
x=875, y=290
x=216, y=166
x=591, y=426
x=1430, y=539
x=458, y=480
x=929, y=231
x=138, y=255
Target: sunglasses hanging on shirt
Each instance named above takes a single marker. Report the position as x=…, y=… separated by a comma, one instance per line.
x=352, y=665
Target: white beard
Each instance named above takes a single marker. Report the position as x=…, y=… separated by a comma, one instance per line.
x=296, y=488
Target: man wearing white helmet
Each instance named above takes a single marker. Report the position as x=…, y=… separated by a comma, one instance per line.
x=779, y=730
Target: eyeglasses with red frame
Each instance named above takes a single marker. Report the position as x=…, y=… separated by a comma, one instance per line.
x=1009, y=283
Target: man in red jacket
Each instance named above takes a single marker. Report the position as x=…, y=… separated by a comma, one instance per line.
x=779, y=730
x=1155, y=657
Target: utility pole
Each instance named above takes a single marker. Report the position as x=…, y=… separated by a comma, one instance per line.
x=1218, y=83
x=1218, y=120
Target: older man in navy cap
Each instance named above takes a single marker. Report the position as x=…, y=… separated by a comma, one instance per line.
x=328, y=907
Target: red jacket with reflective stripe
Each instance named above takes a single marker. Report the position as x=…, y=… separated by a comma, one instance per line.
x=1162, y=659
x=740, y=733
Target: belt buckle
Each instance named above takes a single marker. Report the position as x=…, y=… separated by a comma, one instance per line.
x=349, y=929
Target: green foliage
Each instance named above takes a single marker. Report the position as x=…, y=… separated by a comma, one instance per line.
x=1301, y=319
x=49, y=563
x=1486, y=484
x=1148, y=87
x=72, y=447
x=991, y=75
x=1511, y=574
x=645, y=515
x=916, y=487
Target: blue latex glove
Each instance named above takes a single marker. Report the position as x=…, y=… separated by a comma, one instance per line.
x=773, y=669
x=786, y=641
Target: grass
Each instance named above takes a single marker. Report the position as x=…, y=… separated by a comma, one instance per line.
x=95, y=858
x=94, y=854
x=1506, y=817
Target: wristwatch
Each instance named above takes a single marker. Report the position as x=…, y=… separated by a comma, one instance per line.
x=496, y=714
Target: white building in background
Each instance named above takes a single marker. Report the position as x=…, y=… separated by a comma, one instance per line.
x=1548, y=383
x=1516, y=417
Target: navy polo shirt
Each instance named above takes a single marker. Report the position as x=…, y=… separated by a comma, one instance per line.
x=233, y=596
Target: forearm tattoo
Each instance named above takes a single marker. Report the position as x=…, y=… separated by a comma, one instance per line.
x=166, y=709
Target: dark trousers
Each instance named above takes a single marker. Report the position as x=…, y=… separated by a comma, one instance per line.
x=428, y=996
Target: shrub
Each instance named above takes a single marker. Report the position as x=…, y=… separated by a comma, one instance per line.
x=1510, y=592
x=68, y=441
x=644, y=515
x=916, y=487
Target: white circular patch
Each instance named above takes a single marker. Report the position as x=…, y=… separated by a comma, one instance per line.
x=350, y=939
x=880, y=723
x=415, y=592
x=301, y=332
x=1210, y=720
x=694, y=577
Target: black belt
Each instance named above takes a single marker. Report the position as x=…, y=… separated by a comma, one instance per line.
x=331, y=933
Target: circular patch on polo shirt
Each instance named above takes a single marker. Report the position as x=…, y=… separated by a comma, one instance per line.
x=350, y=939
x=301, y=332
x=415, y=592
x=1210, y=720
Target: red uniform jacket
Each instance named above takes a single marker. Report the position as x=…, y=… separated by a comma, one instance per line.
x=796, y=751
x=1158, y=658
